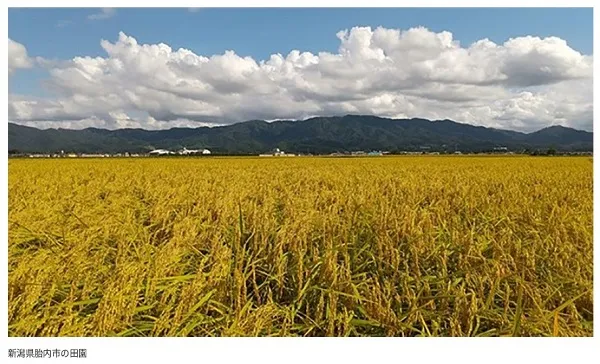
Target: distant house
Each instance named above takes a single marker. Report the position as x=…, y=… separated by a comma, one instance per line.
x=160, y=152
x=93, y=155
x=186, y=151
x=189, y=151
x=277, y=153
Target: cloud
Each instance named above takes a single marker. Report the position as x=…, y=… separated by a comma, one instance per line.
x=525, y=84
x=63, y=23
x=17, y=56
x=105, y=13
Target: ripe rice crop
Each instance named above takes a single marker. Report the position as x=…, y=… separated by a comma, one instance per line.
x=388, y=246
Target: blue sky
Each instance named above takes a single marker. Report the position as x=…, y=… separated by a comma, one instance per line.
x=260, y=32
x=61, y=34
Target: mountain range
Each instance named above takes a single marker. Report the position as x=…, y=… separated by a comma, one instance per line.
x=315, y=135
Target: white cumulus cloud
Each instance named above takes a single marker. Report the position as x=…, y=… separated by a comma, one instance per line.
x=105, y=13
x=17, y=56
x=526, y=83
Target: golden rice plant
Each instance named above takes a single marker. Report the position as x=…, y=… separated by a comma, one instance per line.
x=388, y=246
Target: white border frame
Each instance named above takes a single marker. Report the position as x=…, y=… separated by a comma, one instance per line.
x=307, y=350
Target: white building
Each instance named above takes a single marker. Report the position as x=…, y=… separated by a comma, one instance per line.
x=160, y=152
x=186, y=151
x=278, y=153
x=93, y=155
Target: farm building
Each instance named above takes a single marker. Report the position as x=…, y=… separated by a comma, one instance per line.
x=277, y=153
x=160, y=152
x=94, y=155
x=39, y=156
x=186, y=151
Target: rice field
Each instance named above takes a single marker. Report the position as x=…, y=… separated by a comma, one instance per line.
x=388, y=246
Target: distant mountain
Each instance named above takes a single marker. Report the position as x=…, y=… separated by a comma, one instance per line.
x=315, y=135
